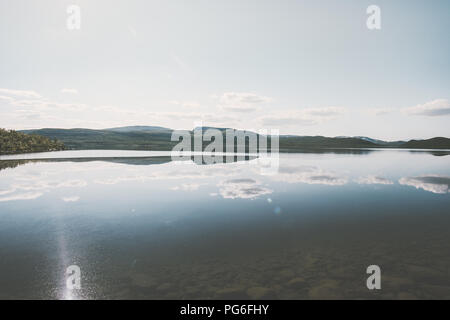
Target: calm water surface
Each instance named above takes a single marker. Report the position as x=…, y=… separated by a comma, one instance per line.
x=142, y=226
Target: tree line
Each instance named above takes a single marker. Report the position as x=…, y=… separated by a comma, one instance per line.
x=12, y=142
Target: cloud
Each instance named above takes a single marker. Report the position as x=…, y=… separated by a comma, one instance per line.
x=309, y=175
x=69, y=90
x=128, y=178
x=43, y=185
x=20, y=93
x=22, y=196
x=379, y=111
x=242, y=189
x=132, y=31
x=220, y=119
x=186, y=104
x=438, y=107
x=29, y=115
x=7, y=99
x=188, y=170
x=432, y=183
x=241, y=101
x=306, y=116
x=31, y=100
x=3, y=192
x=187, y=187
x=70, y=199
x=239, y=108
x=27, y=109
x=325, y=112
x=216, y=119
x=279, y=121
x=75, y=183
x=32, y=188
x=243, y=97
x=371, y=179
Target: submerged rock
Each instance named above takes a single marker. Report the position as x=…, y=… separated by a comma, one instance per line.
x=286, y=273
x=422, y=273
x=143, y=280
x=164, y=287
x=396, y=282
x=258, y=293
x=236, y=293
x=437, y=292
x=406, y=296
x=326, y=289
x=296, y=283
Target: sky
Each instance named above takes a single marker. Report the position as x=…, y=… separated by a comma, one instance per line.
x=301, y=67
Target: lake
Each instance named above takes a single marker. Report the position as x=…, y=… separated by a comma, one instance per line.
x=141, y=226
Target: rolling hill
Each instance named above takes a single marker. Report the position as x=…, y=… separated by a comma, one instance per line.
x=433, y=143
x=158, y=138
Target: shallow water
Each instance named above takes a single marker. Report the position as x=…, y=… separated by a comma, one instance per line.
x=142, y=226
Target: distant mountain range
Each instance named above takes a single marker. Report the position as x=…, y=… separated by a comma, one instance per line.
x=159, y=138
x=140, y=129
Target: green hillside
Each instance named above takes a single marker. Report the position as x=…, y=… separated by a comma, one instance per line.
x=158, y=138
x=88, y=139
x=433, y=143
x=293, y=143
x=115, y=139
x=12, y=142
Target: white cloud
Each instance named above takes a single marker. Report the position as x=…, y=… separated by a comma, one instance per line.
x=30, y=110
x=70, y=199
x=325, y=112
x=6, y=99
x=187, y=187
x=371, y=179
x=243, y=97
x=8, y=191
x=69, y=90
x=27, y=109
x=22, y=196
x=33, y=188
x=306, y=116
x=379, y=111
x=75, y=183
x=20, y=93
x=240, y=108
x=242, y=189
x=432, y=183
x=132, y=31
x=188, y=170
x=309, y=175
x=292, y=120
x=241, y=101
x=186, y=104
x=30, y=100
x=438, y=107
x=216, y=119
